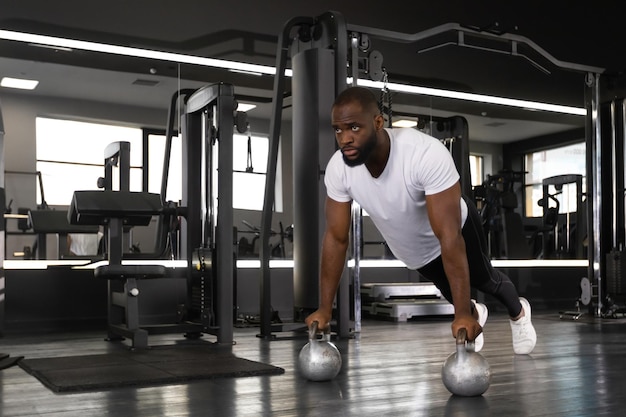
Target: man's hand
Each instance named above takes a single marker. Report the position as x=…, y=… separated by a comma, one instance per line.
x=469, y=323
x=322, y=317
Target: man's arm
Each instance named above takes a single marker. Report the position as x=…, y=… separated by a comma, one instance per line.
x=444, y=213
x=334, y=247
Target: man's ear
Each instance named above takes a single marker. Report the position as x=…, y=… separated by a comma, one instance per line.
x=379, y=121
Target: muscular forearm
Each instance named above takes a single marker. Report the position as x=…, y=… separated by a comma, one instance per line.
x=456, y=267
x=333, y=260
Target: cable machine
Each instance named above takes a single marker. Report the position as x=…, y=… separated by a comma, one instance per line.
x=314, y=45
x=563, y=234
x=206, y=233
x=327, y=42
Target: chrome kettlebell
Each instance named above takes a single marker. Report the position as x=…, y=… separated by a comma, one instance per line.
x=319, y=359
x=465, y=372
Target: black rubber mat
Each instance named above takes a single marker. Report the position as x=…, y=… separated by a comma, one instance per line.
x=161, y=365
x=6, y=361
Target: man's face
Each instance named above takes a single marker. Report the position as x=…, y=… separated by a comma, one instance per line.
x=354, y=131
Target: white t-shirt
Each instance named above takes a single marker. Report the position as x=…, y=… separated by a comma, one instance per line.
x=418, y=165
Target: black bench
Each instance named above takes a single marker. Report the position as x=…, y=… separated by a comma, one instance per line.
x=118, y=210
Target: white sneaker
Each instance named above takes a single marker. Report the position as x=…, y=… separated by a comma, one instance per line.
x=483, y=313
x=524, y=335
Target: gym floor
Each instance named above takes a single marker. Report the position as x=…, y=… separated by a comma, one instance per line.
x=391, y=369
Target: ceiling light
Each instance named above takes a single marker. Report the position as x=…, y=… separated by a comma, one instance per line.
x=435, y=92
x=267, y=70
x=133, y=52
x=404, y=123
x=245, y=106
x=20, y=83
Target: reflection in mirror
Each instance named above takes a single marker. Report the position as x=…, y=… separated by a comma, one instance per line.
x=140, y=98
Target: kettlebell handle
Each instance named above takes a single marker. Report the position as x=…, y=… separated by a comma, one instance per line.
x=313, y=331
x=461, y=336
x=461, y=339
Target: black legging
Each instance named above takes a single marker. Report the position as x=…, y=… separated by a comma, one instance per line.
x=483, y=276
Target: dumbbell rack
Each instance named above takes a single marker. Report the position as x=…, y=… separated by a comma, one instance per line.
x=403, y=301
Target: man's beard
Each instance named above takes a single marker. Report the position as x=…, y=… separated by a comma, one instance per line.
x=364, y=152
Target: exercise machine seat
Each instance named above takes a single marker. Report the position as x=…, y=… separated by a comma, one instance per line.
x=97, y=207
x=122, y=272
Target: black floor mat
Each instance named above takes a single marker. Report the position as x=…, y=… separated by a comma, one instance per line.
x=160, y=365
x=6, y=361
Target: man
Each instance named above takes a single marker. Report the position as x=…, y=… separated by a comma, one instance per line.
x=408, y=184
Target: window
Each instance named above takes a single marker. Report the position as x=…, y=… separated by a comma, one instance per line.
x=156, y=157
x=70, y=156
x=249, y=173
x=248, y=187
x=548, y=163
x=477, y=168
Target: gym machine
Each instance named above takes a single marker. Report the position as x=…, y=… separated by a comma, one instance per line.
x=563, y=226
x=496, y=201
x=603, y=291
x=206, y=242
x=315, y=45
x=328, y=42
x=453, y=132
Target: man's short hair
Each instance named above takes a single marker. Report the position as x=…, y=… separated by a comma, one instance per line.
x=362, y=95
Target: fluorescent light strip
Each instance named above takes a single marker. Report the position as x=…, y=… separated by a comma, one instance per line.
x=539, y=263
x=133, y=52
x=435, y=92
x=255, y=263
x=40, y=264
x=377, y=263
x=263, y=69
x=497, y=263
x=288, y=263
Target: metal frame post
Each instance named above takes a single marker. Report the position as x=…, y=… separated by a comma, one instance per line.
x=594, y=187
x=205, y=228
x=2, y=231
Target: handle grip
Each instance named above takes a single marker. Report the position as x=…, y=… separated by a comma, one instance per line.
x=313, y=331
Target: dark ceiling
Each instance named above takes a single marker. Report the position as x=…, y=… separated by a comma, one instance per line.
x=247, y=30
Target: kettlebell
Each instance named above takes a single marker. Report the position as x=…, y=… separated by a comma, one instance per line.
x=465, y=372
x=319, y=359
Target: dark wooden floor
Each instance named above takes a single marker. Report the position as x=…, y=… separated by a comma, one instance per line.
x=392, y=369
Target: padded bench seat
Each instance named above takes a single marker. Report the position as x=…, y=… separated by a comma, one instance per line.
x=98, y=207
x=122, y=272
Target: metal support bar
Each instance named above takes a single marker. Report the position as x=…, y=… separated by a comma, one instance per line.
x=594, y=186
x=265, y=281
x=338, y=43
x=355, y=272
x=513, y=39
x=224, y=226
